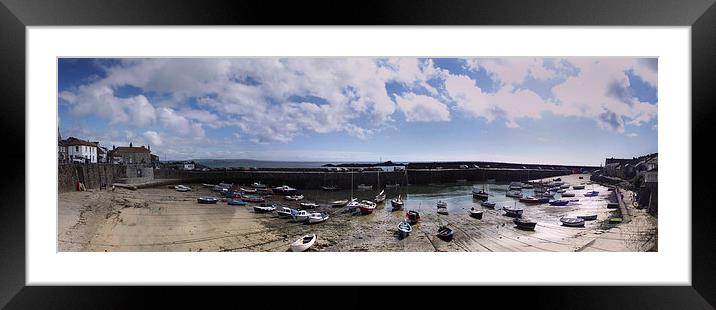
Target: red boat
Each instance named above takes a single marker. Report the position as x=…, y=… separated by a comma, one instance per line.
x=412, y=216
x=367, y=207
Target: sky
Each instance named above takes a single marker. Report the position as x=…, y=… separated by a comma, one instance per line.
x=571, y=110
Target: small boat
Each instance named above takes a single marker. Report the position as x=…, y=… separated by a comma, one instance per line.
x=219, y=188
x=366, y=207
x=299, y=215
x=564, y=186
x=338, y=203
x=591, y=194
x=562, y=191
x=317, y=217
x=488, y=204
x=248, y=190
x=329, y=188
x=527, y=185
x=558, y=202
x=303, y=244
x=264, y=208
x=568, y=194
x=515, y=185
x=445, y=233
x=258, y=185
x=365, y=187
x=590, y=217
x=476, y=213
x=397, y=203
x=285, y=189
x=443, y=211
x=380, y=197
x=557, y=179
x=207, y=185
x=572, y=221
x=441, y=204
x=207, y=200
x=392, y=185
x=525, y=223
x=236, y=202
x=353, y=204
x=577, y=186
x=404, y=228
x=529, y=199
x=513, y=212
x=308, y=205
x=545, y=199
x=481, y=194
x=547, y=195
x=294, y=197
x=253, y=199
x=514, y=194
x=412, y=216
x=182, y=188
x=226, y=185
x=284, y=212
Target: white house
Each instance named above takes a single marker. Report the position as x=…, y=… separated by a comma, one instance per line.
x=81, y=151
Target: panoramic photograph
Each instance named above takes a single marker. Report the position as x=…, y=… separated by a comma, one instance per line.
x=357, y=154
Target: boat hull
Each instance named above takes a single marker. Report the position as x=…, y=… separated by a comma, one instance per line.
x=477, y=214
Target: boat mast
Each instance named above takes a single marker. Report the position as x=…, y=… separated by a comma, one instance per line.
x=351, y=184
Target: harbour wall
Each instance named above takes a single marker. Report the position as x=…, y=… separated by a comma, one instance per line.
x=91, y=175
x=342, y=179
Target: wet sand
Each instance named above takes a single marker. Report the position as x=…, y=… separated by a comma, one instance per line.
x=162, y=219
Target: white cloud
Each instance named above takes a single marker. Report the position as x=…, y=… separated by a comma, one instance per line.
x=153, y=137
x=419, y=108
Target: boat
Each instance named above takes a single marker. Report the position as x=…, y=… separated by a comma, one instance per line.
x=207, y=185
x=236, y=202
x=329, y=188
x=248, y=190
x=577, y=186
x=365, y=187
x=445, y=233
x=284, y=212
x=529, y=199
x=525, y=223
x=182, y=188
x=380, y=197
x=207, y=200
x=404, y=229
x=317, y=217
x=514, y=194
x=226, y=185
x=258, y=185
x=303, y=243
x=299, y=215
x=441, y=204
x=219, y=188
x=527, y=185
x=264, y=208
x=544, y=199
x=558, y=202
x=366, y=207
x=590, y=217
x=397, y=203
x=572, y=221
x=481, y=194
x=294, y=197
x=557, y=179
x=392, y=185
x=568, y=194
x=338, y=203
x=353, y=204
x=564, y=186
x=285, y=189
x=253, y=199
x=412, y=216
x=476, y=213
x=443, y=211
x=308, y=205
x=515, y=185
x=547, y=195
x=591, y=194
x=488, y=204
x=513, y=212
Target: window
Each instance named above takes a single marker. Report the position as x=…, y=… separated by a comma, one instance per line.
x=77, y=148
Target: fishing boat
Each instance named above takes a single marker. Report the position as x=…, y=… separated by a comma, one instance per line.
x=568, y=194
x=591, y=194
x=294, y=197
x=258, y=185
x=515, y=185
x=284, y=212
x=253, y=199
x=365, y=187
x=317, y=217
x=367, y=207
x=329, y=188
x=577, y=186
x=445, y=233
x=299, y=215
x=264, y=208
x=182, y=188
x=380, y=197
x=236, y=202
x=481, y=194
x=514, y=194
x=207, y=200
x=412, y=216
x=248, y=190
x=476, y=213
x=397, y=203
x=443, y=211
x=559, y=202
x=590, y=217
x=529, y=199
x=441, y=204
x=513, y=212
x=338, y=203
x=572, y=221
x=285, y=189
x=308, y=205
x=404, y=229
x=525, y=223
x=488, y=204
x=353, y=204
x=303, y=243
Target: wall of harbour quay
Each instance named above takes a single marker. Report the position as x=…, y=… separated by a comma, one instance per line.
x=342, y=179
x=91, y=175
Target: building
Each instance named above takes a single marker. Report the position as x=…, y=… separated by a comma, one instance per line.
x=80, y=151
x=131, y=155
x=102, y=154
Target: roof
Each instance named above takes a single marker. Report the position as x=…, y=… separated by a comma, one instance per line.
x=130, y=149
x=72, y=141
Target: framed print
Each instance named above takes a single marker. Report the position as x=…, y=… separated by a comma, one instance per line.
x=418, y=144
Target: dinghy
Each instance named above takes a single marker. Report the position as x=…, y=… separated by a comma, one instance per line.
x=317, y=217
x=207, y=200
x=380, y=197
x=445, y=233
x=284, y=212
x=303, y=243
x=513, y=212
x=590, y=217
x=248, y=190
x=299, y=215
x=182, y=188
x=572, y=221
x=285, y=189
x=568, y=194
x=476, y=213
x=397, y=203
x=294, y=197
x=353, y=204
x=264, y=208
x=366, y=207
x=404, y=228
x=515, y=185
x=525, y=223
x=488, y=204
x=441, y=204
x=559, y=202
x=412, y=216
x=591, y=194
x=443, y=211
x=308, y=205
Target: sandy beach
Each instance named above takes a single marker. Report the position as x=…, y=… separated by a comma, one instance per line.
x=162, y=219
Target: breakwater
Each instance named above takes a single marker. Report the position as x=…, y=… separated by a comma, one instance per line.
x=311, y=179
x=91, y=175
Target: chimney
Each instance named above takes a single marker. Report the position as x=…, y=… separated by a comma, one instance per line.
x=112, y=147
x=130, y=144
x=149, y=147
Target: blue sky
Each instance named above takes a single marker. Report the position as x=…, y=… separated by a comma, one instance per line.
x=574, y=110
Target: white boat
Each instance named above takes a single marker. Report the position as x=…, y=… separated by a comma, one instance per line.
x=264, y=209
x=572, y=221
x=353, y=204
x=590, y=217
x=285, y=189
x=365, y=187
x=515, y=185
x=284, y=212
x=397, y=203
x=258, y=185
x=441, y=204
x=248, y=190
x=443, y=211
x=182, y=188
x=338, y=203
x=308, y=205
x=380, y=197
x=303, y=243
x=294, y=197
x=367, y=206
x=514, y=194
x=299, y=215
x=317, y=217
x=404, y=228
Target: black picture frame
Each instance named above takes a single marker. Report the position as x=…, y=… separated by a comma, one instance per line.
x=700, y=15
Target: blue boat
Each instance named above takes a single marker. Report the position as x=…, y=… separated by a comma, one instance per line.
x=207, y=200
x=591, y=194
x=559, y=202
x=236, y=202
